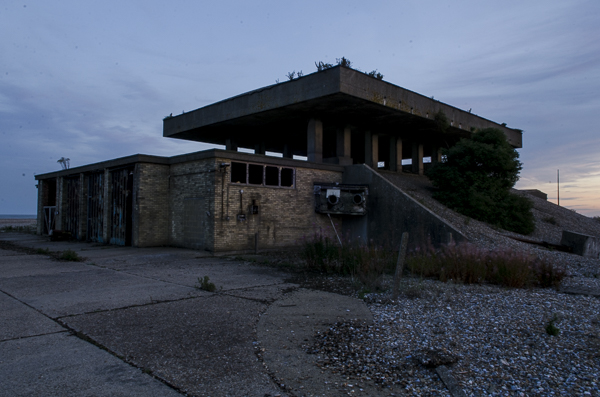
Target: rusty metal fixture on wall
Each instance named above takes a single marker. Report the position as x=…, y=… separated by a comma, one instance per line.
x=335, y=198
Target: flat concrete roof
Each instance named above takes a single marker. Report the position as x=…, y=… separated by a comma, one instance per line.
x=183, y=158
x=278, y=114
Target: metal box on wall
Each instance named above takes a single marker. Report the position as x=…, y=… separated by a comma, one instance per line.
x=334, y=198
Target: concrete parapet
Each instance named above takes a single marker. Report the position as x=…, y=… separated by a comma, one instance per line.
x=390, y=212
x=581, y=244
x=535, y=193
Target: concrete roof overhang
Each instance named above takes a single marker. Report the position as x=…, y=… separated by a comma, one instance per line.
x=278, y=114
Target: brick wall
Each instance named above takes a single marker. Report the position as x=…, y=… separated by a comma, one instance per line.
x=151, y=205
x=285, y=215
x=191, y=197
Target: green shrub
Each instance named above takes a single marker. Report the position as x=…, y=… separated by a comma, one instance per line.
x=475, y=179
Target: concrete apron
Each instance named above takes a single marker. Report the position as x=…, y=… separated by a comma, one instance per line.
x=132, y=322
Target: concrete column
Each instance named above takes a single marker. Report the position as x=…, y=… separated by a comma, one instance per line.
x=375, y=150
x=436, y=155
x=287, y=152
x=314, y=139
x=368, y=148
x=399, y=155
x=417, y=158
x=344, y=146
x=259, y=148
x=395, y=154
x=230, y=145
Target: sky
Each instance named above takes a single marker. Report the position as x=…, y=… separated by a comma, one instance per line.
x=92, y=81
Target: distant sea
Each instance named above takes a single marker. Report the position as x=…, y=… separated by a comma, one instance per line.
x=18, y=216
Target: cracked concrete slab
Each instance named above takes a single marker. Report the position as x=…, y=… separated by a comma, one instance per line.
x=30, y=265
x=19, y=320
x=63, y=365
x=96, y=289
x=7, y=253
x=226, y=274
x=268, y=293
x=288, y=327
x=204, y=346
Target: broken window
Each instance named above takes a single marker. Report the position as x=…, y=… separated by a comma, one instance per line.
x=265, y=175
x=255, y=174
x=287, y=177
x=238, y=172
x=271, y=176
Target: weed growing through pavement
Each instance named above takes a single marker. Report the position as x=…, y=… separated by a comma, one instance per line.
x=70, y=255
x=206, y=285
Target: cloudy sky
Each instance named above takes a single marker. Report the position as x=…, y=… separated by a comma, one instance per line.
x=91, y=81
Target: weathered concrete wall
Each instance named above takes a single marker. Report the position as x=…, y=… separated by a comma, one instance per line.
x=390, y=212
x=151, y=205
x=191, y=198
x=581, y=244
x=285, y=215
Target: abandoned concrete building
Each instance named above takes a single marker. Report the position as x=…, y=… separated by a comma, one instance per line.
x=322, y=145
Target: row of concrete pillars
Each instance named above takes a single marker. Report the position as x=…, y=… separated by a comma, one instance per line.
x=344, y=149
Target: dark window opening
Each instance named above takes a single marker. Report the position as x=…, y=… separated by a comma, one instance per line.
x=50, y=185
x=287, y=177
x=271, y=176
x=238, y=172
x=255, y=174
x=262, y=175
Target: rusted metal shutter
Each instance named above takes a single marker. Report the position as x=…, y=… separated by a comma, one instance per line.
x=121, y=201
x=72, y=207
x=95, y=207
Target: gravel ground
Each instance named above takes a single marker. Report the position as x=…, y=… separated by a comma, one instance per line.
x=494, y=340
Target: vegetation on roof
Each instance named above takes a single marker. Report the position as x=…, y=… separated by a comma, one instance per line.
x=343, y=61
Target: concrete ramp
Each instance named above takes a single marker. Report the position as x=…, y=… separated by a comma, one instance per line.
x=391, y=211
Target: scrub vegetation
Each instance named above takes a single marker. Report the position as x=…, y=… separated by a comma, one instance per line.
x=468, y=264
x=343, y=61
x=461, y=263
x=365, y=262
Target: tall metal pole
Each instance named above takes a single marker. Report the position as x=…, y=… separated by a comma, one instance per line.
x=558, y=186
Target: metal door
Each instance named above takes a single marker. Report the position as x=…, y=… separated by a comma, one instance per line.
x=95, y=212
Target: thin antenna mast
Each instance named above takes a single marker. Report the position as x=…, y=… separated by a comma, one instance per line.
x=558, y=186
